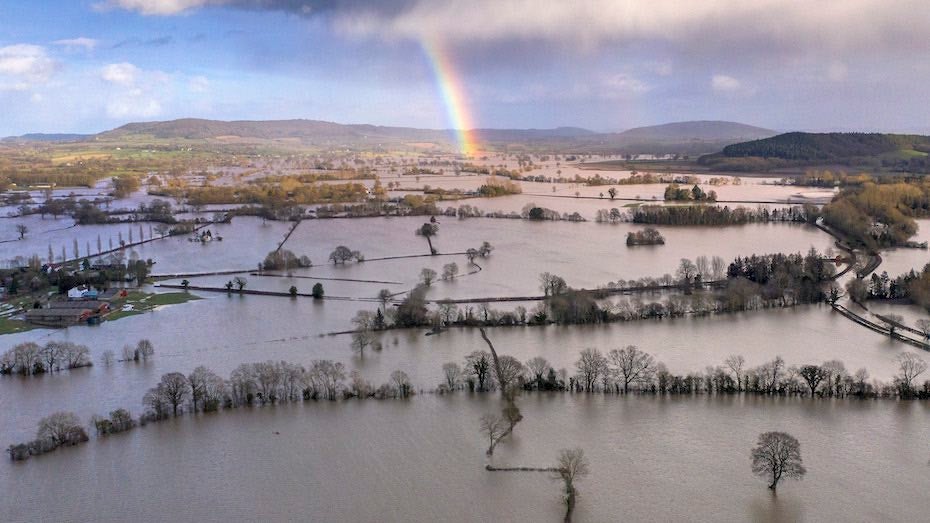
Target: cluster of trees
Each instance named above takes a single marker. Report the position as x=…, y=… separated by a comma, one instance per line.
x=125, y=185
x=203, y=390
x=281, y=193
x=647, y=236
x=714, y=215
x=533, y=212
x=632, y=370
x=342, y=254
x=283, y=259
x=873, y=150
x=828, y=178
x=913, y=286
x=30, y=358
x=879, y=215
x=120, y=420
x=676, y=193
x=493, y=187
x=481, y=252
x=262, y=383
x=57, y=430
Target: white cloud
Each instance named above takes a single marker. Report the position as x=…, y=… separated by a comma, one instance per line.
x=133, y=104
x=725, y=84
x=23, y=66
x=660, y=68
x=135, y=92
x=79, y=43
x=791, y=26
x=198, y=84
x=121, y=74
x=158, y=7
x=625, y=84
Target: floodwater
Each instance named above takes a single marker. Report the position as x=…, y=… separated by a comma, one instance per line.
x=651, y=459
x=422, y=460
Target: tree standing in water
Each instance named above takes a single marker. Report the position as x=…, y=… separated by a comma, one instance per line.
x=428, y=230
x=777, y=455
x=571, y=467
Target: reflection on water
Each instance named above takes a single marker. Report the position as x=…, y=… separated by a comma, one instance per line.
x=652, y=459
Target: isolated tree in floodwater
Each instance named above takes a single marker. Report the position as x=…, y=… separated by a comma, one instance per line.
x=571, y=467
x=428, y=230
x=777, y=455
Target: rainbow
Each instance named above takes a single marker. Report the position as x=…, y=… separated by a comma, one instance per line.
x=452, y=90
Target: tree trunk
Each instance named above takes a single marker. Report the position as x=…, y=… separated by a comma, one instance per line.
x=430, y=243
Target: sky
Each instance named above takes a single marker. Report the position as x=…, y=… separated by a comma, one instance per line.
x=818, y=65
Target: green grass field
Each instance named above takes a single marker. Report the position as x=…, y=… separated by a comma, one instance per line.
x=143, y=302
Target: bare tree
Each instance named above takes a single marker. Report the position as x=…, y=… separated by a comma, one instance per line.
x=450, y=271
x=144, y=350
x=427, y=276
x=893, y=321
x=911, y=366
x=59, y=428
x=632, y=366
x=735, y=363
x=240, y=282
x=591, y=365
x=538, y=366
x=453, y=374
x=401, y=383
x=813, y=375
x=718, y=267
x=494, y=427
x=361, y=339
x=571, y=467
x=924, y=326
x=206, y=388
x=174, y=390
x=777, y=455
x=108, y=357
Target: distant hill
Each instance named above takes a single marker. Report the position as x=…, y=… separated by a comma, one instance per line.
x=898, y=152
x=703, y=130
x=320, y=132
x=691, y=138
x=42, y=137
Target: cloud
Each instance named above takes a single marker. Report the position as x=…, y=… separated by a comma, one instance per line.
x=121, y=74
x=158, y=7
x=725, y=84
x=23, y=66
x=625, y=84
x=133, y=104
x=133, y=92
x=198, y=84
x=79, y=43
x=138, y=42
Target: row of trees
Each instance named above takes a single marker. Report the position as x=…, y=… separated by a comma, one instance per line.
x=30, y=358
x=715, y=215
x=630, y=369
x=203, y=390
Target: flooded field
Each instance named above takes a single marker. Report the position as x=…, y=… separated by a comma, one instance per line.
x=423, y=460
